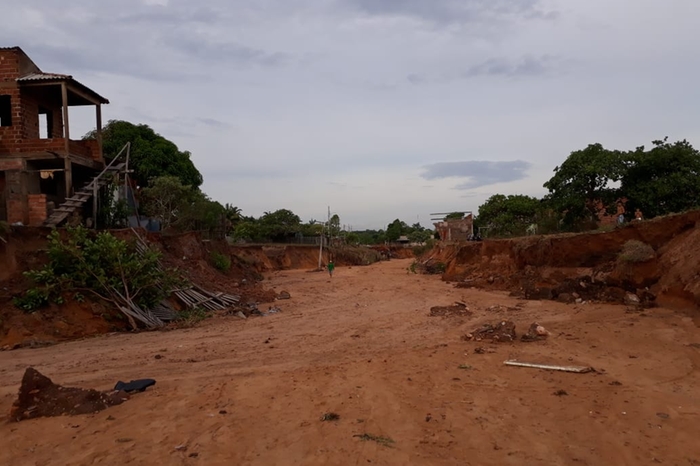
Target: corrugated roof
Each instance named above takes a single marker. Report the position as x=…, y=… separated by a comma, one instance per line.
x=44, y=77
x=49, y=77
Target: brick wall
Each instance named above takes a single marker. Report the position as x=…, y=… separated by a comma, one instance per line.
x=29, y=120
x=25, y=108
x=37, y=209
x=56, y=131
x=9, y=64
x=10, y=164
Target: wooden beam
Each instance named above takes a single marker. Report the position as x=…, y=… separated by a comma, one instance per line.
x=66, y=136
x=85, y=96
x=98, y=128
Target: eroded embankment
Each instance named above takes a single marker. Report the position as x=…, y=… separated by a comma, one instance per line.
x=265, y=258
x=193, y=256
x=587, y=265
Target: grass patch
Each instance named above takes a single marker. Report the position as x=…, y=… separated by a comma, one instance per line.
x=191, y=317
x=220, y=262
x=634, y=252
x=385, y=441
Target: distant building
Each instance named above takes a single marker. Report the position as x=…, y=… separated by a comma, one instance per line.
x=455, y=229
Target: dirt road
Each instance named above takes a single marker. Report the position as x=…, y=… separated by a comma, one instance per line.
x=234, y=392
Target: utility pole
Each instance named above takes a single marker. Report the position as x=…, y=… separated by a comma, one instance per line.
x=320, y=249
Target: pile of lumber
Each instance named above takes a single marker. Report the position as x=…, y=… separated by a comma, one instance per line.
x=192, y=296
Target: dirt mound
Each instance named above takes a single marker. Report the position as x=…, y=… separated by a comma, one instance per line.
x=457, y=309
x=40, y=397
x=501, y=332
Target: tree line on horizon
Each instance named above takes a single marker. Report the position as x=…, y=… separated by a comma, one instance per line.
x=660, y=180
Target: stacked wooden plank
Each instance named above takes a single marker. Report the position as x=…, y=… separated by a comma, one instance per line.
x=194, y=297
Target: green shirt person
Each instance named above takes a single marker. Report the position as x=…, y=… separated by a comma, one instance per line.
x=331, y=266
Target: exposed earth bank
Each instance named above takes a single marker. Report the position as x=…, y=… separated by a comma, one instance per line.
x=590, y=266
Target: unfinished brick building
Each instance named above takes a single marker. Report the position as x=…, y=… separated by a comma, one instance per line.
x=39, y=171
x=455, y=229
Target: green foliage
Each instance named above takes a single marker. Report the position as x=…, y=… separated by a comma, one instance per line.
x=662, y=180
x=454, y=216
x=112, y=213
x=334, y=226
x=279, y=225
x=508, y=215
x=98, y=263
x=221, y=262
x=634, y=252
x=165, y=199
x=585, y=178
x=424, y=248
x=181, y=207
x=32, y=300
x=151, y=154
x=352, y=238
x=191, y=317
x=396, y=229
x=370, y=236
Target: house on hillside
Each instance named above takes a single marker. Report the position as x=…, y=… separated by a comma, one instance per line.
x=455, y=229
x=41, y=167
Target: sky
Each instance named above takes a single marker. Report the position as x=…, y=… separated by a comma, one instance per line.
x=380, y=109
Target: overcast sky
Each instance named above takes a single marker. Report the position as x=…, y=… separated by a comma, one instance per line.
x=379, y=108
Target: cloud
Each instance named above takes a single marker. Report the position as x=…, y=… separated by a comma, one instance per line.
x=454, y=11
x=527, y=66
x=480, y=173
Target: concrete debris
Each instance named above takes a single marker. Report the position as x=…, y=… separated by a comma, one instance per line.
x=501, y=332
x=535, y=332
x=632, y=299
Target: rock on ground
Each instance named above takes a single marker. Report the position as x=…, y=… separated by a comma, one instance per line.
x=40, y=397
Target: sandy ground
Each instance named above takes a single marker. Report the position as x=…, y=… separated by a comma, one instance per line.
x=234, y=392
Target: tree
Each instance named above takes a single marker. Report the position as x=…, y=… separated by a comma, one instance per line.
x=454, y=216
x=151, y=154
x=181, y=207
x=662, y=180
x=352, y=239
x=165, y=199
x=583, y=181
x=396, y=229
x=334, y=226
x=508, y=215
x=279, y=225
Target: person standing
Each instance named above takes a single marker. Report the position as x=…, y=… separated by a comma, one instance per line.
x=331, y=266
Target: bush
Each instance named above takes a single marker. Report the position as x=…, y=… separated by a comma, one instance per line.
x=101, y=264
x=634, y=251
x=220, y=262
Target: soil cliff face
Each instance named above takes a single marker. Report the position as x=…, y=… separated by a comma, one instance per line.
x=540, y=266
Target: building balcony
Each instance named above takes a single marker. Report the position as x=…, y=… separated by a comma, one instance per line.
x=84, y=152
